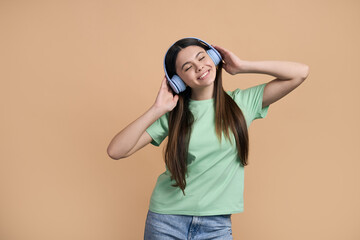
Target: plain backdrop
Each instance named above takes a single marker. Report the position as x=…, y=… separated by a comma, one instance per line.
x=75, y=73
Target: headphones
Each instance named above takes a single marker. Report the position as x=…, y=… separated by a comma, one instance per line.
x=176, y=83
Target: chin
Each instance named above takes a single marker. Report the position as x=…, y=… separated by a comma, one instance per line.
x=208, y=83
x=212, y=78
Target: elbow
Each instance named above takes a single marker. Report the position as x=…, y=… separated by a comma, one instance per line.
x=305, y=72
x=115, y=156
x=112, y=156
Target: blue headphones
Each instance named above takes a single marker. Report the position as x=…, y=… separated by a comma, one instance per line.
x=175, y=82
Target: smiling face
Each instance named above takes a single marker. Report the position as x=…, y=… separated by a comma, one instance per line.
x=195, y=67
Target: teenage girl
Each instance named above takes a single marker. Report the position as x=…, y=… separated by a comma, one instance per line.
x=208, y=142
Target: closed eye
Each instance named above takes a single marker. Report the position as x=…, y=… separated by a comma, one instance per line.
x=191, y=66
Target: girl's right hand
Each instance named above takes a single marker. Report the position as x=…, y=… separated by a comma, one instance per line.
x=165, y=100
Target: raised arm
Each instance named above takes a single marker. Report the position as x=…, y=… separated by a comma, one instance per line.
x=134, y=136
x=289, y=75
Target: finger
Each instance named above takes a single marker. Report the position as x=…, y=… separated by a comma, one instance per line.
x=168, y=87
x=226, y=54
x=220, y=49
x=225, y=65
x=164, y=83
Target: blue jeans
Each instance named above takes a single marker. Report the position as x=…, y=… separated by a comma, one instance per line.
x=185, y=227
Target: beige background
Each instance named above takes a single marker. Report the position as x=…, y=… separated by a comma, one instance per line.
x=74, y=73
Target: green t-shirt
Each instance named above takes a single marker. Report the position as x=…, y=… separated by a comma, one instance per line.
x=215, y=181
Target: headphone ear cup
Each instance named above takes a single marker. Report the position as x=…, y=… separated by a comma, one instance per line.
x=177, y=84
x=214, y=55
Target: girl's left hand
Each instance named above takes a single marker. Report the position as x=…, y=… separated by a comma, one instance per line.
x=232, y=64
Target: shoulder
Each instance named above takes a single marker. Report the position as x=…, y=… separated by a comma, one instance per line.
x=236, y=94
x=246, y=94
x=233, y=93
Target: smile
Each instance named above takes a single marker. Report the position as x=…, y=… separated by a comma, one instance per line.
x=204, y=75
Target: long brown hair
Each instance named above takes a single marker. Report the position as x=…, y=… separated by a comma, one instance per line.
x=227, y=115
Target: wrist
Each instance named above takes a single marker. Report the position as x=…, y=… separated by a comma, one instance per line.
x=157, y=111
x=244, y=67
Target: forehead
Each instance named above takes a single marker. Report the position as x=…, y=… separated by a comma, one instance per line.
x=188, y=54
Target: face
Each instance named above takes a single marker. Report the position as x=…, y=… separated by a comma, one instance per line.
x=195, y=67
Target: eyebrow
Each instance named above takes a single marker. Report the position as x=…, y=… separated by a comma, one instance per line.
x=182, y=67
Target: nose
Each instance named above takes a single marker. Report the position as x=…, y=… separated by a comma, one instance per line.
x=200, y=67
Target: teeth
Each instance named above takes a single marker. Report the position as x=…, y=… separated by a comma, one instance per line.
x=202, y=76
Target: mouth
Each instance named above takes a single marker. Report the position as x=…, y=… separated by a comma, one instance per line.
x=204, y=75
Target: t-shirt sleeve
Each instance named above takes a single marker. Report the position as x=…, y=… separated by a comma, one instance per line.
x=250, y=101
x=159, y=130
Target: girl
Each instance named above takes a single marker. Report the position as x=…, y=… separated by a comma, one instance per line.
x=208, y=142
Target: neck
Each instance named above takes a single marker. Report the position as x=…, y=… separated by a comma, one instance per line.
x=202, y=93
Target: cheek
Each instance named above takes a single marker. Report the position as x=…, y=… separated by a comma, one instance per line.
x=186, y=77
x=212, y=64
